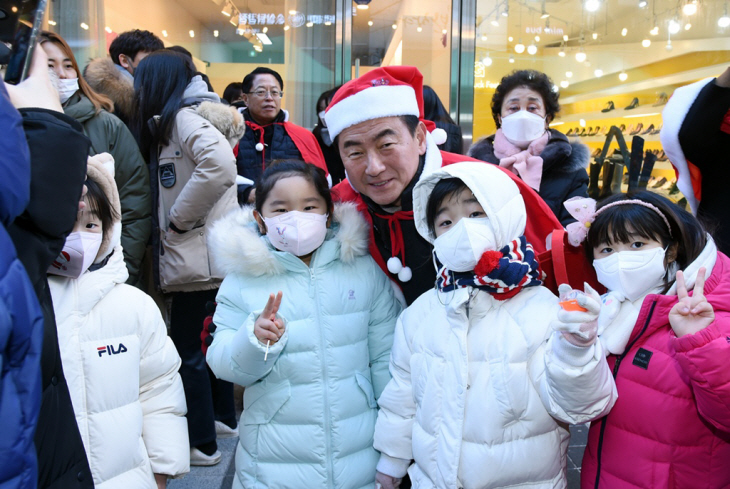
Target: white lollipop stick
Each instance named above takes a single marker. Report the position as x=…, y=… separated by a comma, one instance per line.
x=266, y=355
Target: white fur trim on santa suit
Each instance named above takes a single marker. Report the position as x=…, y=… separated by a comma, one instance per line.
x=673, y=117
x=371, y=103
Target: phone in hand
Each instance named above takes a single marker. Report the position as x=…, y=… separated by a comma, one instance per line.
x=20, y=23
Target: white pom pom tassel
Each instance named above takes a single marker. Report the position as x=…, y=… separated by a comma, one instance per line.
x=259, y=147
x=394, y=265
x=405, y=275
x=439, y=136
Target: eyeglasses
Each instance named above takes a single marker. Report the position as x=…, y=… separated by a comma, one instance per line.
x=264, y=93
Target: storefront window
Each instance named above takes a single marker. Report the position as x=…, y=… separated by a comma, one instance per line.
x=614, y=63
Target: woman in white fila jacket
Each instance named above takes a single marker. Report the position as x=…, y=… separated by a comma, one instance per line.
x=482, y=386
x=120, y=365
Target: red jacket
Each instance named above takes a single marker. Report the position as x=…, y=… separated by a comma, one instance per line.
x=670, y=427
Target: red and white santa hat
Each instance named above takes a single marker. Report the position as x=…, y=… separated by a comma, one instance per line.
x=390, y=91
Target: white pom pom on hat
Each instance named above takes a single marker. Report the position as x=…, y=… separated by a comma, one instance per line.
x=439, y=136
x=394, y=265
x=405, y=275
x=259, y=147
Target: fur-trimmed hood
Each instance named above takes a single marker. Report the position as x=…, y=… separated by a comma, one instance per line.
x=104, y=77
x=559, y=156
x=100, y=169
x=236, y=246
x=224, y=118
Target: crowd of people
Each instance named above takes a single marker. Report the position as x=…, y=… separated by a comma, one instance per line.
x=381, y=297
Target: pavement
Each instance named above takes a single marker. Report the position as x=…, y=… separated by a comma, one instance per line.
x=221, y=476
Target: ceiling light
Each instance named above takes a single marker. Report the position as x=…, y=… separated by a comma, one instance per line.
x=624, y=31
x=293, y=12
x=580, y=56
x=394, y=26
x=419, y=28
x=164, y=33
x=687, y=26
x=484, y=37
x=510, y=38
x=487, y=61
x=328, y=23
x=505, y=13
x=84, y=26
x=537, y=38
x=646, y=43
x=565, y=37
x=286, y=27
x=582, y=123
x=592, y=5
x=227, y=14
x=370, y=23
x=556, y=89
x=192, y=33
x=723, y=21
x=564, y=84
x=263, y=38
x=668, y=47
x=623, y=76
x=532, y=49
x=569, y=74
x=265, y=30
x=216, y=33
x=690, y=8
x=519, y=47
x=51, y=22
x=362, y=4
x=673, y=26
x=654, y=31
x=544, y=15
x=108, y=29
x=598, y=73
x=511, y=59
x=561, y=53
x=495, y=22
x=444, y=31
x=595, y=36
x=310, y=24
x=643, y=3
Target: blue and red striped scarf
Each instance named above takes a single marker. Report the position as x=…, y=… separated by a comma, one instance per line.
x=501, y=273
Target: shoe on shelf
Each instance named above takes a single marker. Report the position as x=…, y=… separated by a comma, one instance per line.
x=622, y=128
x=661, y=156
x=198, y=458
x=596, y=153
x=569, y=133
x=649, y=130
x=630, y=128
x=659, y=183
x=609, y=107
x=222, y=430
x=638, y=129
x=657, y=130
x=587, y=131
x=661, y=99
x=634, y=104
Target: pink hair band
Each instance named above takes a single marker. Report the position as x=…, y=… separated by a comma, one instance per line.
x=637, y=202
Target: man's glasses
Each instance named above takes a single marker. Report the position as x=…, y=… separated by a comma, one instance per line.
x=264, y=93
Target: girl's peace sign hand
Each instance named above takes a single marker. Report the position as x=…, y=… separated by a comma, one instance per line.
x=267, y=327
x=691, y=314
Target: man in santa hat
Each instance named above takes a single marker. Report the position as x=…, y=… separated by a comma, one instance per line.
x=696, y=136
x=386, y=147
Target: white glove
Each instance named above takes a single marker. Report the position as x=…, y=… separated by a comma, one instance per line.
x=579, y=327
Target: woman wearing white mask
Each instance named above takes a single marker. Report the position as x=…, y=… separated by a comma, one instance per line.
x=120, y=365
x=482, y=386
x=523, y=106
x=108, y=134
x=314, y=356
x=668, y=349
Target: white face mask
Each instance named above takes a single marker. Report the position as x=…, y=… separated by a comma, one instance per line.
x=66, y=88
x=461, y=247
x=321, y=118
x=77, y=255
x=632, y=274
x=522, y=128
x=299, y=233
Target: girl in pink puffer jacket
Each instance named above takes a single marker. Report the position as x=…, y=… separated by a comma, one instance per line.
x=665, y=324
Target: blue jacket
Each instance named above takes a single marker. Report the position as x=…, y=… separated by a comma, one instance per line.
x=21, y=321
x=310, y=408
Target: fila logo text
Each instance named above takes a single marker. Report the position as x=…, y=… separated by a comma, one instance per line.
x=109, y=350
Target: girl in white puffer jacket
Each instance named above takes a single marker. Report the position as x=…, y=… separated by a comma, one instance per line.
x=482, y=386
x=120, y=365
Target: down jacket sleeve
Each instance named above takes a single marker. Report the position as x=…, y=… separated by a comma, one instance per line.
x=214, y=170
x=703, y=357
x=575, y=383
x=383, y=315
x=164, y=429
x=236, y=355
x=133, y=183
x=394, y=427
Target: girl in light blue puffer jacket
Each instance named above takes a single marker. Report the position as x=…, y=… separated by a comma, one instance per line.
x=305, y=322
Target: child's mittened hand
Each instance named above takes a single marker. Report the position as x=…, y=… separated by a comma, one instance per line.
x=579, y=327
x=691, y=314
x=267, y=327
x=386, y=482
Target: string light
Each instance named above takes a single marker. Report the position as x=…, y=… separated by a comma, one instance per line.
x=598, y=73
x=623, y=76
x=532, y=49
x=646, y=43
x=592, y=5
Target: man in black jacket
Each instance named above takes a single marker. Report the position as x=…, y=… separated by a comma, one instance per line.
x=58, y=154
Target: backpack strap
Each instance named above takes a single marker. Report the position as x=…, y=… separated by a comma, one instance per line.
x=560, y=267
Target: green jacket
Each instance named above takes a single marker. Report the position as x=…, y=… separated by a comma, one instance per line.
x=108, y=134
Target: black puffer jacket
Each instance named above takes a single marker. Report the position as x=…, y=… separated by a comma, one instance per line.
x=58, y=154
x=563, y=173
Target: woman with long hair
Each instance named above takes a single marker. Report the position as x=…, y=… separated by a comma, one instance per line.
x=108, y=134
x=181, y=126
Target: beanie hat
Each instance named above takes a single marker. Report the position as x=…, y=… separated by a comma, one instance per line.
x=100, y=169
x=673, y=117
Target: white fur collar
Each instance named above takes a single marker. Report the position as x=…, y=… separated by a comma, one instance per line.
x=236, y=246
